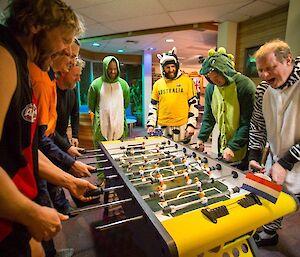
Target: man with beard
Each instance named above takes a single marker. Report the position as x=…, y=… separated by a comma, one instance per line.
x=173, y=101
x=44, y=89
x=68, y=108
x=34, y=31
x=108, y=98
x=275, y=120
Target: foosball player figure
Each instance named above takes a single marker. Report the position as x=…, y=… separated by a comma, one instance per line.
x=206, y=168
x=161, y=195
x=187, y=177
x=158, y=160
x=143, y=145
x=173, y=158
x=189, y=168
x=198, y=160
x=198, y=184
x=157, y=148
x=209, y=172
x=132, y=151
x=185, y=161
x=204, y=201
x=156, y=168
x=161, y=182
x=201, y=194
x=172, y=166
x=142, y=173
x=129, y=167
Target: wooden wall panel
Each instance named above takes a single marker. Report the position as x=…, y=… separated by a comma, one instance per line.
x=257, y=31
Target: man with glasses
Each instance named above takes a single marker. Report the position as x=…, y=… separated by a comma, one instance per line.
x=229, y=99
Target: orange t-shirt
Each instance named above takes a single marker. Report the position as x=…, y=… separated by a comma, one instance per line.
x=44, y=89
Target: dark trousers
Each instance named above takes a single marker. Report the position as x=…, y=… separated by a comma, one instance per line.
x=16, y=244
x=43, y=199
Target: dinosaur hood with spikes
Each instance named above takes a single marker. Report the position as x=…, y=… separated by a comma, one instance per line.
x=221, y=62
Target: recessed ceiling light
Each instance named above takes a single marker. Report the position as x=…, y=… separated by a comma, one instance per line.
x=96, y=44
x=169, y=40
x=120, y=51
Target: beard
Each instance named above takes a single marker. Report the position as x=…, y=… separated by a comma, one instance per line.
x=170, y=75
x=43, y=56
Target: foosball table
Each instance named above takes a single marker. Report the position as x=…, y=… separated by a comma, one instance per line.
x=177, y=202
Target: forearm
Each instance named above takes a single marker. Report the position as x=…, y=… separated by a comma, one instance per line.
x=291, y=157
x=193, y=112
x=208, y=123
x=61, y=141
x=152, y=115
x=52, y=173
x=52, y=151
x=240, y=138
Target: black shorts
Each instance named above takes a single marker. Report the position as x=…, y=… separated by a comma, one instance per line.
x=16, y=244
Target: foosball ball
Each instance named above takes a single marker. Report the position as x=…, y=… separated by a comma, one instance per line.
x=176, y=201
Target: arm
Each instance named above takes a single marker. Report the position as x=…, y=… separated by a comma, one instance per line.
x=291, y=157
x=246, y=97
x=42, y=222
x=92, y=97
x=257, y=131
x=126, y=93
x=54, y=175
x=54, y=153
x=8, y=82
x=153, y=108
x=192, y=102
x=280, y=169
x=208, y=119
x=62, y=142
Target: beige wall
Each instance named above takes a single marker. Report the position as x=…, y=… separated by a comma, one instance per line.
x=259, y=30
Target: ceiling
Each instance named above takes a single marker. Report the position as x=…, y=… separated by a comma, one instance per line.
x=137, y=25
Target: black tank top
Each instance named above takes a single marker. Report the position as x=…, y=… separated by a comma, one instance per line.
x=18, y=144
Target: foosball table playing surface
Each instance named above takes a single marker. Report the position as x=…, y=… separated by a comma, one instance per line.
x=178, y=202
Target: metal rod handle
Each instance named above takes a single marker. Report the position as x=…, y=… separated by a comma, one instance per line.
x=75, y=212
x=89, y=156
x=118, y=223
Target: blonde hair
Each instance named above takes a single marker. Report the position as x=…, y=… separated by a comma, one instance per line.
x=48, y=14
x=280, y=48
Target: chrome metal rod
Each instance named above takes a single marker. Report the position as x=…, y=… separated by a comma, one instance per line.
x=89, y=156
x=128, y=147
x=104, y=168
x=111, y=176
x=112, y=188
x=119, y=223
x=77, y=211
x=100, y=161
x=91, y=151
